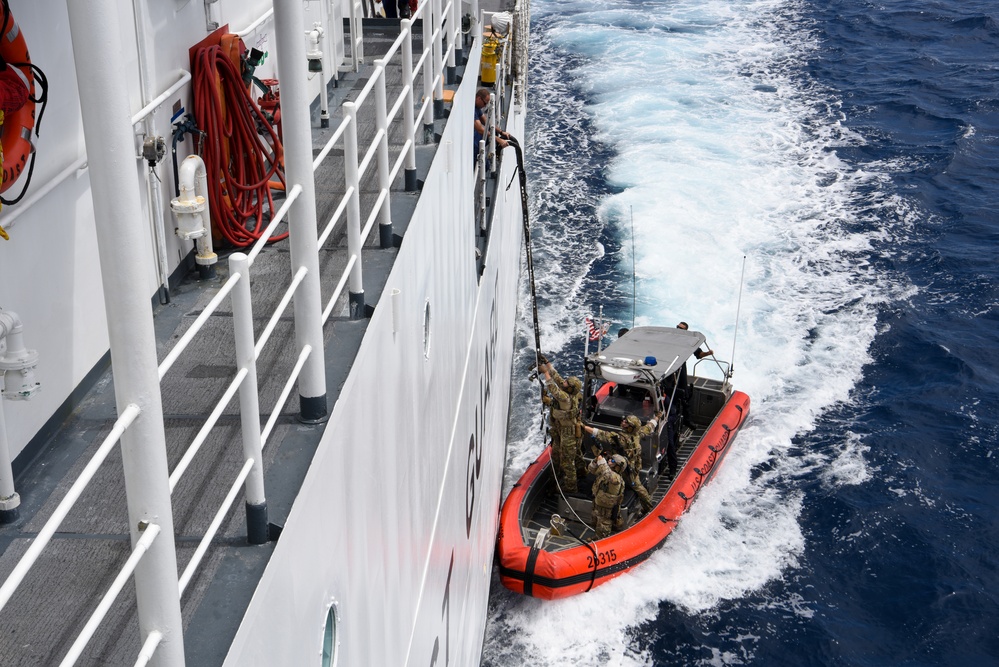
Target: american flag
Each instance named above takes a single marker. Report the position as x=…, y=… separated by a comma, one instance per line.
x=596, y=333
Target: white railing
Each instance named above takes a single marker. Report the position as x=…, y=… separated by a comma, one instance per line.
x=52, y=525
x=45, y=535
x=148, y=535
x=431, y=65
x=486, y=162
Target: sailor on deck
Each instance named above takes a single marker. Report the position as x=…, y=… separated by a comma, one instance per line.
x=629, y=441
x=565, y=396
x=608, y=492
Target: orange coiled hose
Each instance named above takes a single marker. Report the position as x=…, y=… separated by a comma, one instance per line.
x=239, y=163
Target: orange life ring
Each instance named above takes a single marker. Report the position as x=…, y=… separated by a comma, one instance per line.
x=17, y=125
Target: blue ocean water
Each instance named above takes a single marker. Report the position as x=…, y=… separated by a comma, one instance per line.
x=848, y=150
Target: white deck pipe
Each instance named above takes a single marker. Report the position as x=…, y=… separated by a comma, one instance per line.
x=315, y=57
x=356, y=39
x=331, y=31
x=303, y=242
x=153, y=185
x=17, y=381
x=193, y=212
x=105, y=107
x=10, y=500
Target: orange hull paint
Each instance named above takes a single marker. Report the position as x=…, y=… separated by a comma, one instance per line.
x=552, y=575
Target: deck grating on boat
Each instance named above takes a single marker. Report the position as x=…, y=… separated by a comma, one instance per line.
x=541, y=517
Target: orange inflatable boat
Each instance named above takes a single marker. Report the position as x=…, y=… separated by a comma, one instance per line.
x=546, y=544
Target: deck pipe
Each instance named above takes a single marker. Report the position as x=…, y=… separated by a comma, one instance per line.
x=153, y=184
x=193, y=213
x=17, y=381
x=315, y=57
x=331, y=35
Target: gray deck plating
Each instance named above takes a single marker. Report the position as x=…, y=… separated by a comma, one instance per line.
x=48, y=611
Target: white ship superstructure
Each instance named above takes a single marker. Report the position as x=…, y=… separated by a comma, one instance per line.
x=349, y=384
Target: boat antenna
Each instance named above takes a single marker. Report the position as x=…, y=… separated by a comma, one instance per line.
x=738, y=308
x=633, y=288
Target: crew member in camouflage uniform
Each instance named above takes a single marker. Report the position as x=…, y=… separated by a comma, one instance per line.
x=629, y=441
x=565, y=398
x=608, y=492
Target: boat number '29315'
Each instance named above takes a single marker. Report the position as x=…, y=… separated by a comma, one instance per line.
x=604, y=558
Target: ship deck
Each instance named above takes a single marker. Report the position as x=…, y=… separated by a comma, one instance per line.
x=47, y=612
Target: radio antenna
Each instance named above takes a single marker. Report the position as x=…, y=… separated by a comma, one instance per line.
x=738, y=308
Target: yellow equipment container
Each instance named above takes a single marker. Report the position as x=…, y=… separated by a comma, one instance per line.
x=490, y=49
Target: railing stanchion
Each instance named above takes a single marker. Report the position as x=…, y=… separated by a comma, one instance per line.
x=303, y=244
x=249, y=403
x=454, y=53
x=356, y=39
x=407, y=107
x=437, y=66
x=428, y=71
x=353, y=182
x=105, y=111
x=384, y=184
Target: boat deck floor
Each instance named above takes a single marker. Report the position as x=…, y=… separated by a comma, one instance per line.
x=49, y=609
x=581, y=526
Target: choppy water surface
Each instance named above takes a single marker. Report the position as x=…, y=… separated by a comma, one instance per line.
x=848, y=151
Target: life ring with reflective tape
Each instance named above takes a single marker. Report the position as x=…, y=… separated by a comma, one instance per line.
x=17, y=101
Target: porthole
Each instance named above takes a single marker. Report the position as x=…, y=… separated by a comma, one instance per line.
x=426, y=330
x=330, y=641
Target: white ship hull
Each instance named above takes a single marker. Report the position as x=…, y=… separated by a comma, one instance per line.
x=391, y=533
x=396, y=521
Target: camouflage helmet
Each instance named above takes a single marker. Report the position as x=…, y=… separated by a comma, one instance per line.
x=618, y=463
x=575, y=384
x=634, y=423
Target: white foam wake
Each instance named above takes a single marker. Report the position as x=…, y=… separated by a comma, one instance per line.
x=719, y=149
